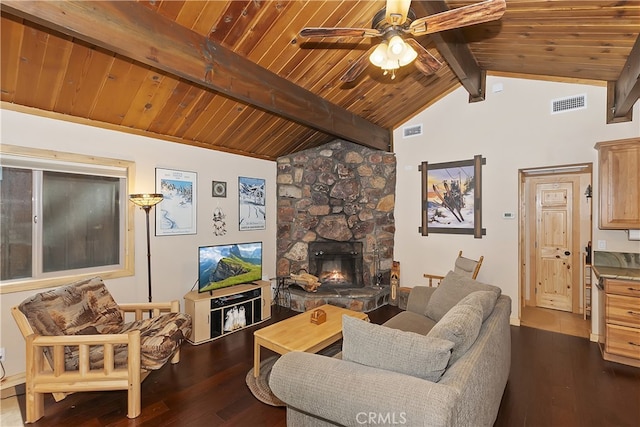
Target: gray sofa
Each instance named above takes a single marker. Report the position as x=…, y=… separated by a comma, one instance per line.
x=443, y=362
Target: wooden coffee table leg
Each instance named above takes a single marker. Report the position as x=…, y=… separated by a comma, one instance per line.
x=256, y=357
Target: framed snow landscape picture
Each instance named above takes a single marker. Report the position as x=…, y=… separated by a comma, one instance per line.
x=451, y=197
x=251, y=201
x=177, y=213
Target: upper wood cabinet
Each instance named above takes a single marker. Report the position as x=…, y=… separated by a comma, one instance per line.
x=619, y=178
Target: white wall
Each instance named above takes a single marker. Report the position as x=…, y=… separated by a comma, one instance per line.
x=512, y=129
x=173, y=258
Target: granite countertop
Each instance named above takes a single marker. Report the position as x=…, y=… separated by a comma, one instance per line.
x=616, y=272
x=617, y=265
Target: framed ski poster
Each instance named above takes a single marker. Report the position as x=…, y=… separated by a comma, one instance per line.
x=177, y=214
x=452, y=197
x=251, y=198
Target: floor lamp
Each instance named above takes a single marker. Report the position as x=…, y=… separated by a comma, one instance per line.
x=146, y=202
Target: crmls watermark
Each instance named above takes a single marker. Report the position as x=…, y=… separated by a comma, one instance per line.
x=381, y=418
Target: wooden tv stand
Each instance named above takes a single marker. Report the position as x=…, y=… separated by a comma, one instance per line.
x=210, y=310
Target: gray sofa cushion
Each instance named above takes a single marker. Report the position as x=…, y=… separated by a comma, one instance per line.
x=394, y=350
x=410, y=322
x=419, y=299
x=461, y=325
x=486, y=299
x=453, y=288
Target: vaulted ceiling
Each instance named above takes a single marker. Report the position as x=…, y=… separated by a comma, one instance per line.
x=236, y=76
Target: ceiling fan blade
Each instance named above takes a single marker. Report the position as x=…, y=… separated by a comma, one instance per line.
x=477, y=13
x=358, y=66
x=339, y=32
x=425, y=62
x=396, y=11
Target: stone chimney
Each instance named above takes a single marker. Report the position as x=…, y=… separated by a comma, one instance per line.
x=340, y=192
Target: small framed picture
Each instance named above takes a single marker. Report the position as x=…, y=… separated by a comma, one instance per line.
x=218, y=189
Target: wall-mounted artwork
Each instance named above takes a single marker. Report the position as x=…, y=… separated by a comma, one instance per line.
x=177, y=214
x=219, y=222
x=451, y=197
x=251, y=200
x=218, y=189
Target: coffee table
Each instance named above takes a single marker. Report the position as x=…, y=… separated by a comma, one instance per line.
x=297, y=333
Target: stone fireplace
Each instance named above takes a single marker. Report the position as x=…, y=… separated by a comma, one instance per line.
x=335, y=221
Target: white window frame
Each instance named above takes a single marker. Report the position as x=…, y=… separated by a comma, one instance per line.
x=12, y=155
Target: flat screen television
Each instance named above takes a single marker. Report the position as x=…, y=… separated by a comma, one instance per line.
x=220, y=266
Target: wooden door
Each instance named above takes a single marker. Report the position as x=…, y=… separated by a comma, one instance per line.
x=554, y=245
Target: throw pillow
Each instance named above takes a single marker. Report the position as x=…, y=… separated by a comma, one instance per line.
x=486, y=299
x=451, y=290
x=394, y=350
x=461, y=325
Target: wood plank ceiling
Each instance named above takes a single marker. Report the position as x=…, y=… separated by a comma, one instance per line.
x=136, y=77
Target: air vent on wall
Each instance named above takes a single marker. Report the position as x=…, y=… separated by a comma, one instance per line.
x=569, y=103
x=409, y=131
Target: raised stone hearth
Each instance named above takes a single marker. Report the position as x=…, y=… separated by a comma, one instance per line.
x=338, y=195
x=358, y=299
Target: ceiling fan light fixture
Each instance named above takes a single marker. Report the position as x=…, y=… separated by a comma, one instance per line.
x=390, y=65
x=408, y=57
x=396, y=48
x=393, y=54
x=379, y=55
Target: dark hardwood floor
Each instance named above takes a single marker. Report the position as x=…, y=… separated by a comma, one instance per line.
x=555, y=380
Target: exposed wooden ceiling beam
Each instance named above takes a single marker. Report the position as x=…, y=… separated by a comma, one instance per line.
x=452, y=46
x=138, y=33
x=623, y=93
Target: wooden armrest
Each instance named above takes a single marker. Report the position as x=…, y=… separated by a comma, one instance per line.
x=154, y=308
x=37, y=343
x=73, y=340
x=432, y=277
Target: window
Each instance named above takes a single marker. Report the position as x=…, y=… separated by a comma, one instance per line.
x=62, y=215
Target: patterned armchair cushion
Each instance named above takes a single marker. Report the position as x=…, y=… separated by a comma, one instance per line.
x=160, y=337
x=81, y=308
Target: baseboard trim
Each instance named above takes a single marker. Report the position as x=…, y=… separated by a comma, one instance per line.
x=514, y=321
x=8, y=385
x=13, y=380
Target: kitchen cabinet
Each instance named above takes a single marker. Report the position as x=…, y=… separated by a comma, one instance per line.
x=622, y=321
x=619, y=184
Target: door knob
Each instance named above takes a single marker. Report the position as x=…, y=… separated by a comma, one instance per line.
x=567, y=253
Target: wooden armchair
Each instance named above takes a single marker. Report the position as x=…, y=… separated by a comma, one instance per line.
x=77, y=341
x=465, y=266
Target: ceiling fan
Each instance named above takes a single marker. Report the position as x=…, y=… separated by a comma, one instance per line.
x=396, y=23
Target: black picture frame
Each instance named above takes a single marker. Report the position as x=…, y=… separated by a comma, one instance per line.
x=218, y=189
x=451, y=197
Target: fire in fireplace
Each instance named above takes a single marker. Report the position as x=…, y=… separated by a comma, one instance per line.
x=336, y=264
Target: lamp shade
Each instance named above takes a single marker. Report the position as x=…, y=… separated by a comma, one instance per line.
x=379, y=56
x=390, y=64
x=146, y=199
x=408, y=56
x=396, y=48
